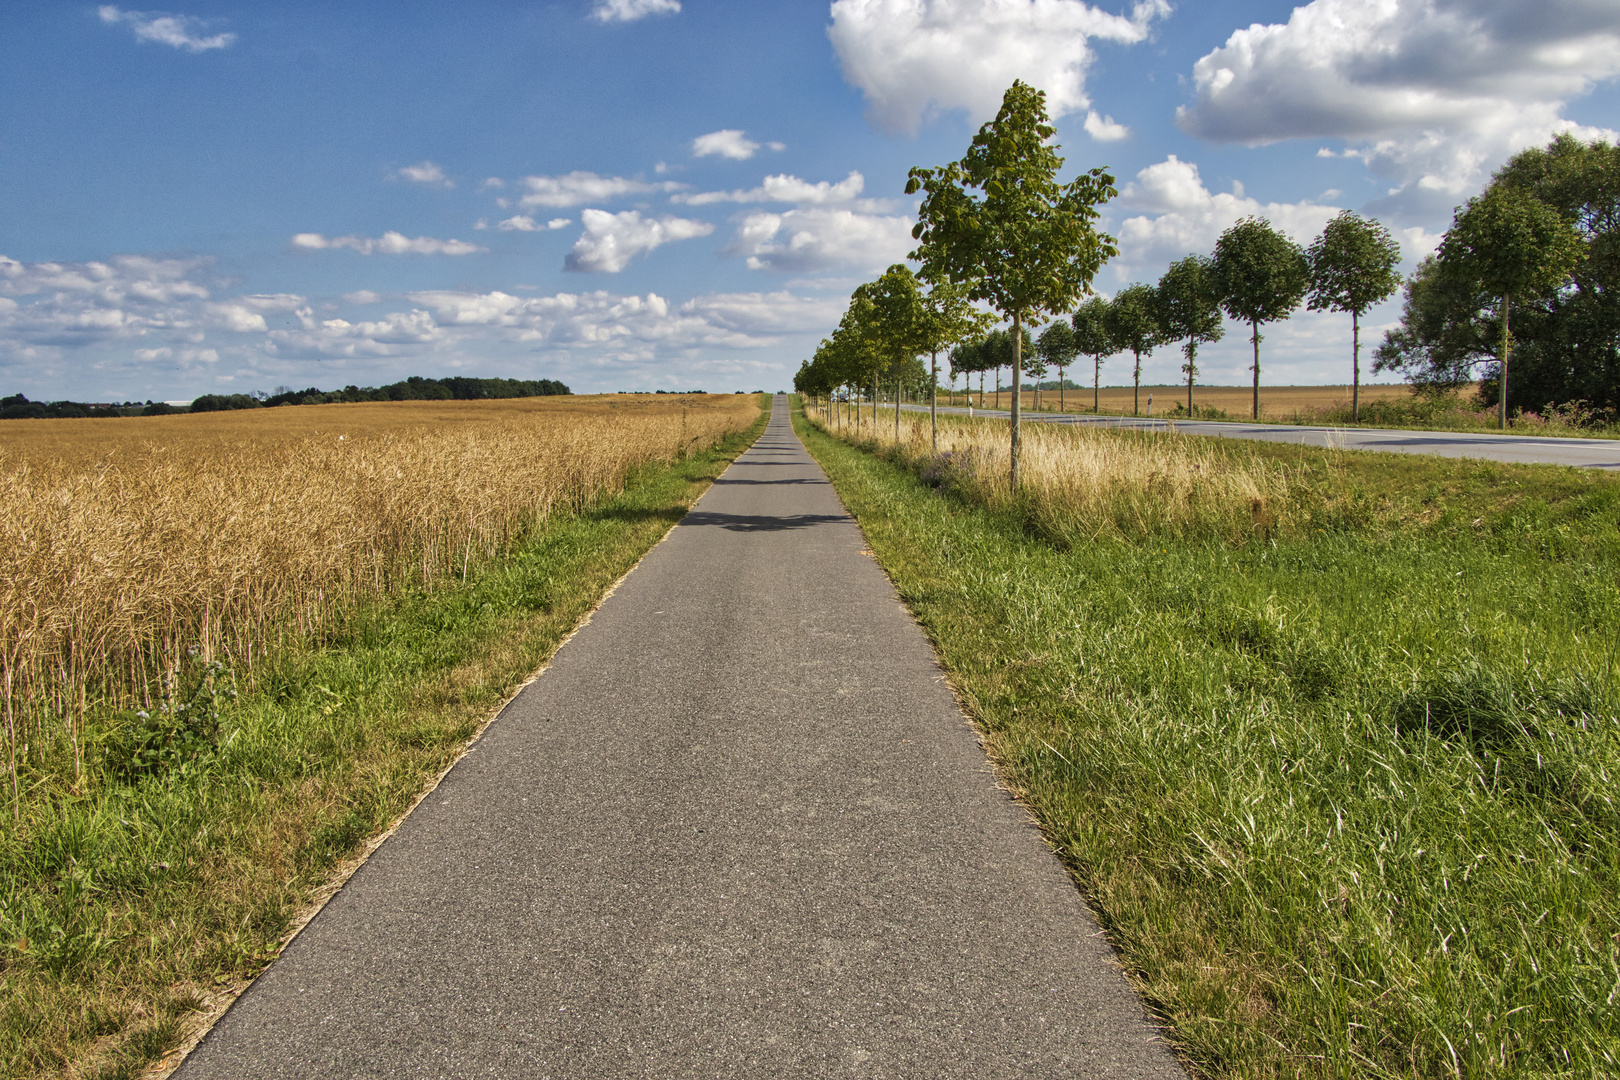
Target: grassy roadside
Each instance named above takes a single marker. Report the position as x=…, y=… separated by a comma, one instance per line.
x=125, y=909
x=1343, y=796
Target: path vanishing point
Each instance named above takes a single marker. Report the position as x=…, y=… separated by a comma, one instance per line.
x=738, y=828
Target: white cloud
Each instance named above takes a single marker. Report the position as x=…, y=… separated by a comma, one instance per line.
x=525, y=223
x=631, y=325
x=630, y=10
x=576, y=188
x=425, y=173
x=1431, y=93
x=1183, y=217
x=1103, y=128
x=362, y=296
x=389, y=243
x=610, y=241
x=391, y=335
x=729, y=143
x=783, y=188
x=820, y=238
x=913, y=58
x=181, y=31
x=129, y=297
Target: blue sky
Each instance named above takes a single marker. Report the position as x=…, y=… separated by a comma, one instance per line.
x=641, y=194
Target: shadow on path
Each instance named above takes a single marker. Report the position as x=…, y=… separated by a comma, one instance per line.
x=760, y=523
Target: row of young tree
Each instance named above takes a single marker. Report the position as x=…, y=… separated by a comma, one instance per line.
x=997, y=230
x=1257, y=275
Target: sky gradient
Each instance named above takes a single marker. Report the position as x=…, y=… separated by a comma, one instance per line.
x=652, y=194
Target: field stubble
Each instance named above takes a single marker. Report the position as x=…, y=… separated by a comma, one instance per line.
x=129, y=547
x=391, y=572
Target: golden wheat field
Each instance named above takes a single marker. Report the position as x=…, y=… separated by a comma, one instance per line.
x=1099, y=481
x=126, y=545
x=1276, y=402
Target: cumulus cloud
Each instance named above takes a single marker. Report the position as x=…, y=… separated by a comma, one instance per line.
x=1103, y=128
x=391, y=335
x=425, y=173
x=607, y=11
x=610, y=241
x=594, y=320
x=181, y=31
x=729, y=143
x=821, y=238
x=783, y=188
x=915, y=58
x=128, y=297
x=1430, y=93
x=389, y=243
x=525, y=223
x=1180, y=216
x=576, y=188
x=159, y=327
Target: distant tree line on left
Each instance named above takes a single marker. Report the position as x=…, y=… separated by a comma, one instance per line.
x=415, y=388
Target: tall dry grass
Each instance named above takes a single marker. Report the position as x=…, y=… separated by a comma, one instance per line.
x=127, y=547
x=1081, y=483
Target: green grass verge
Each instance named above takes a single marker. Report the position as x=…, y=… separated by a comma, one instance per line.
x=1344, y=800
x=181, y=865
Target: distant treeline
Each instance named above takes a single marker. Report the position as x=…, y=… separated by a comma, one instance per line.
x=415, y=388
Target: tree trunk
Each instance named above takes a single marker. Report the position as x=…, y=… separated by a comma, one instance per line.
x=1192, y=370
x=1136, y=393
x=1355, y=368
x=1256, y=339
x=1096, y=383
x=981, y=389
x=933, y=399
x=1062, y=378
x=897, y=409
x=1501, y=404
x=1017, y=369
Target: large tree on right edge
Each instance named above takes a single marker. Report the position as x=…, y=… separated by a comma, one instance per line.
x=1262, y=276
x=1513, y=245
x=1025, y=244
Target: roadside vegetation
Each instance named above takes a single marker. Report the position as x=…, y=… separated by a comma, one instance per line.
x=235, y=653
x=1328, y=738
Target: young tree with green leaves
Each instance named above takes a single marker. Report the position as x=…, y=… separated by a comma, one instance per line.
x=1262, y=277
x=1133, y=323
x=1026, y=245
x=1035, y=368
x=948, y=317
x=1352, y=267
x=1512, y=244
x=1189, y=310
x=1058, y=347
x=899, y=324
x=1091, y=337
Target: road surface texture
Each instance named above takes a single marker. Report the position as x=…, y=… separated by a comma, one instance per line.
x=1589, y=453
x=739, y=828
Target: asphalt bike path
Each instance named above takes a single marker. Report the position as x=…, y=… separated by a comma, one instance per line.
x=738, y=828
x=1525, y=449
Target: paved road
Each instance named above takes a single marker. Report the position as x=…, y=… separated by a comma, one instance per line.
x=738, y=828
x=1589, y=453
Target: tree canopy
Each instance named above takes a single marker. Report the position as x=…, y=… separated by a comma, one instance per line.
x=1024, y=244
x=1133, y=324
x=1352, y=267
x=1189, y=310
x=1565, y=326
x=1262, y=276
